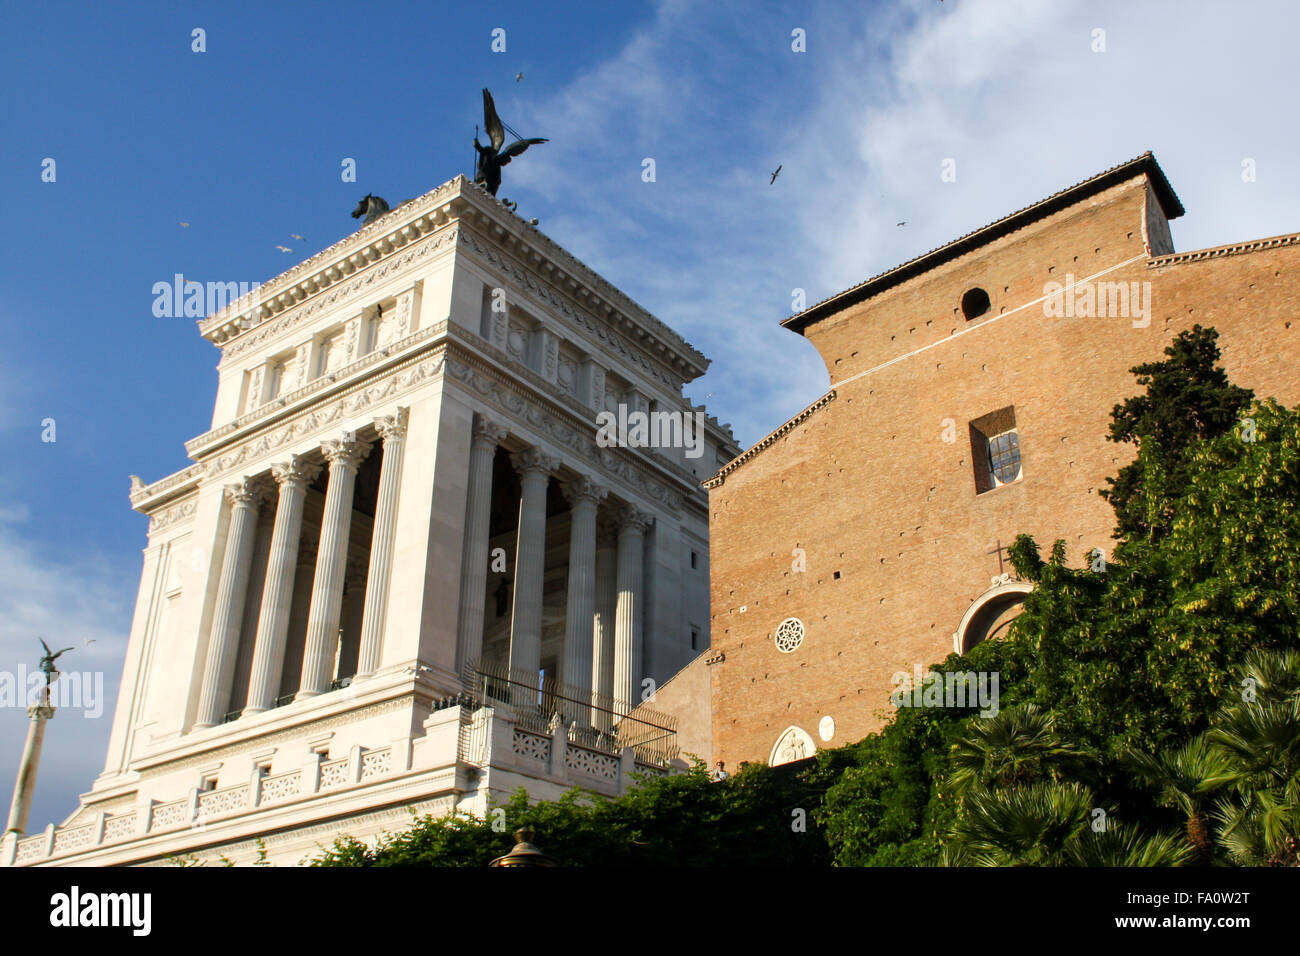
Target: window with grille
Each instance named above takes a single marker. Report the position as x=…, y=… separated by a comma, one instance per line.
x=1004, y=457
x=995, y=450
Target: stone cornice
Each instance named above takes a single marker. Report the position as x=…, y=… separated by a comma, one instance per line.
x=350, y=254
x=315, y=390
x=625, y=336
x=1218, y=252
x=756, y=448
x=505, y=384
x=240, y=325
x=444, y=240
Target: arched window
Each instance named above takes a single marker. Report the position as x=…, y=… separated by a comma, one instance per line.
x=974, y=303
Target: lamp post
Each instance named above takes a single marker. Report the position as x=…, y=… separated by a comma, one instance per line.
x=524, y=853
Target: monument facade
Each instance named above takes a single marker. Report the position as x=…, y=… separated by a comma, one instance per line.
x=406, y=570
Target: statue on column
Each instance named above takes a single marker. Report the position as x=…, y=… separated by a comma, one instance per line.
x=47, y=665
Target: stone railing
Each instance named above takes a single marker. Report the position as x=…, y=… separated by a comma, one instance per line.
x=202, y=807
x=594, y=761
x=280, y=787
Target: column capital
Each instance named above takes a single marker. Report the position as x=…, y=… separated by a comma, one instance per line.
x=245, y=492
x=393, y=426
x=532, y=460
x=348, y=451
x=584, y=489
x=631, y=519
x=488, y=431
x=297, y=471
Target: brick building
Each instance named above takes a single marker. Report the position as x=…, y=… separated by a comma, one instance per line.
x=970, y=397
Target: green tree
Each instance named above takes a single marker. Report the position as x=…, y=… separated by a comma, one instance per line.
x=1188, y=398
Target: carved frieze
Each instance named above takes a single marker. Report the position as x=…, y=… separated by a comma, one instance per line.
x=341, y=293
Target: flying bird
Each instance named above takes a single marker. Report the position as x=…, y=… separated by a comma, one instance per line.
x=294, y=235
x=519, y=76
x=185, y=225
x=904, y=223
x=284, y=248
x=775, y=174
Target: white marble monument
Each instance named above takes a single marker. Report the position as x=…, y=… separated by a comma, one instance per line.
x=402, y=571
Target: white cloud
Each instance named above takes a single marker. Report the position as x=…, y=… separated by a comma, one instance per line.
x=68, y=602
x=1010, y=89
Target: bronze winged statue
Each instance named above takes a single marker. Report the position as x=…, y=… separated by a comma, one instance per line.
x=492, y=157
x=48, y=659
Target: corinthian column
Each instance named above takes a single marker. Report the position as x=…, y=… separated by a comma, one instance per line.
x=478, y=515
x=584, y=497
x=232, y=590
x=630, y=613
x=530, y=562
x=344, y=457
x=602, y=664
x=293, y=478
x=392, y=430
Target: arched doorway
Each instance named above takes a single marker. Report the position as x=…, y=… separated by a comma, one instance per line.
x=990, y=613
x=793, y=744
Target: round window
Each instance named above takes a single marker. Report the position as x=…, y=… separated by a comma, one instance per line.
x=789, y=635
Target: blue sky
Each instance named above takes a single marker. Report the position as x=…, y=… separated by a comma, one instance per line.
x=244, y=142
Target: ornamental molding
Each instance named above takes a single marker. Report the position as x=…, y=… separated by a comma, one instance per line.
x=717, y=480
x=323, y=269
x=410, y=375
x=330, y=381
x=516, y=396
x=581, y=442
x=175, y=515
x=399, y=815
x=604, y=332
x=1219, y=252
x=361, y=281
x=257, y=745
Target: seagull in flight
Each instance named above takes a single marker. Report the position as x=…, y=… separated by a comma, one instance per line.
x=775, y=174
x=519, y=76
x=284, y=248
x=904, y=223
x=294, y=235
x=185, y=225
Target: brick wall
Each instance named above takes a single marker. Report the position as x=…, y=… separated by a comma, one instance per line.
x=867, y=486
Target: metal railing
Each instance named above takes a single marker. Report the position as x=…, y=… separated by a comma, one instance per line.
x=592, y=720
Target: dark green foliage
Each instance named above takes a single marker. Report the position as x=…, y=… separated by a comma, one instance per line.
x=759, y=817
x=1188, y=398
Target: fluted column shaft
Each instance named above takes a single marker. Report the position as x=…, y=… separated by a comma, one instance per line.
x=228, y=612
x=580, y=611
x=344, y=459
x=602, y=664
x=530, y=564
x=630, y=611
x=392, y=429
x=293, y=478
x=478, y=518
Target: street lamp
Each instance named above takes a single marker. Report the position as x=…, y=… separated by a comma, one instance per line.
x=524, y=853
